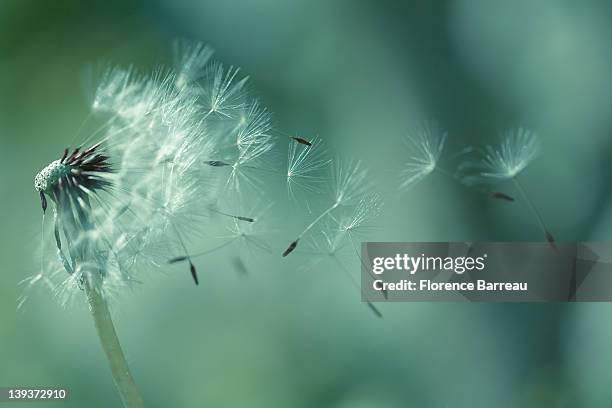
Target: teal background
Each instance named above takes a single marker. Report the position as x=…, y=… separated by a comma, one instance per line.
x=359, y=74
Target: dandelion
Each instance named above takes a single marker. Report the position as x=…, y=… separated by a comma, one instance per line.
x=350, y=182
x=139, y=187
x=518, y=149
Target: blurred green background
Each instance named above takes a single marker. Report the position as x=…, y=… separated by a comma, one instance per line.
x=357, y=73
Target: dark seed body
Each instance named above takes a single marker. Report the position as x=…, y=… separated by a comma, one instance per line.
x=302, y=141
x=177, y=259
x=290, y=248
x=216, y=163
x=247, y=219
x=194, y=273
x=501, y=196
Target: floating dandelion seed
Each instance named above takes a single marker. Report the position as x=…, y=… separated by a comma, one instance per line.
x=140, y=186
x=305, y=166
x=517, y=150
x=519, y=147
x=213, y=209
x=350, y=182
x=251, y=234
x=248, y=234
x=426, y=144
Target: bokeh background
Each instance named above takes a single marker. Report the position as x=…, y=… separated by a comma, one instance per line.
x=356, y=73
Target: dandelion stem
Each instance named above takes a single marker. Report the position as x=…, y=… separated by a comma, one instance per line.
x=112, y=348
x=534, y=209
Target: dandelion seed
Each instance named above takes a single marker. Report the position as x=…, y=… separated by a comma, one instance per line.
x=517, y=150
x=117, y=86
x=236, y=217
x=221, y=91
x=305, y=166
x=251, y=234
x=426, y=144
x=248, y=234
x=350, y=182
x=254, y=127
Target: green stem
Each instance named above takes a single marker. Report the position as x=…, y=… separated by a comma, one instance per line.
x=112, y=348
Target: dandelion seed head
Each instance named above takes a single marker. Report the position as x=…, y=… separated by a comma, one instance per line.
x=50, y=175
x=426, y=144
x=137, y=190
